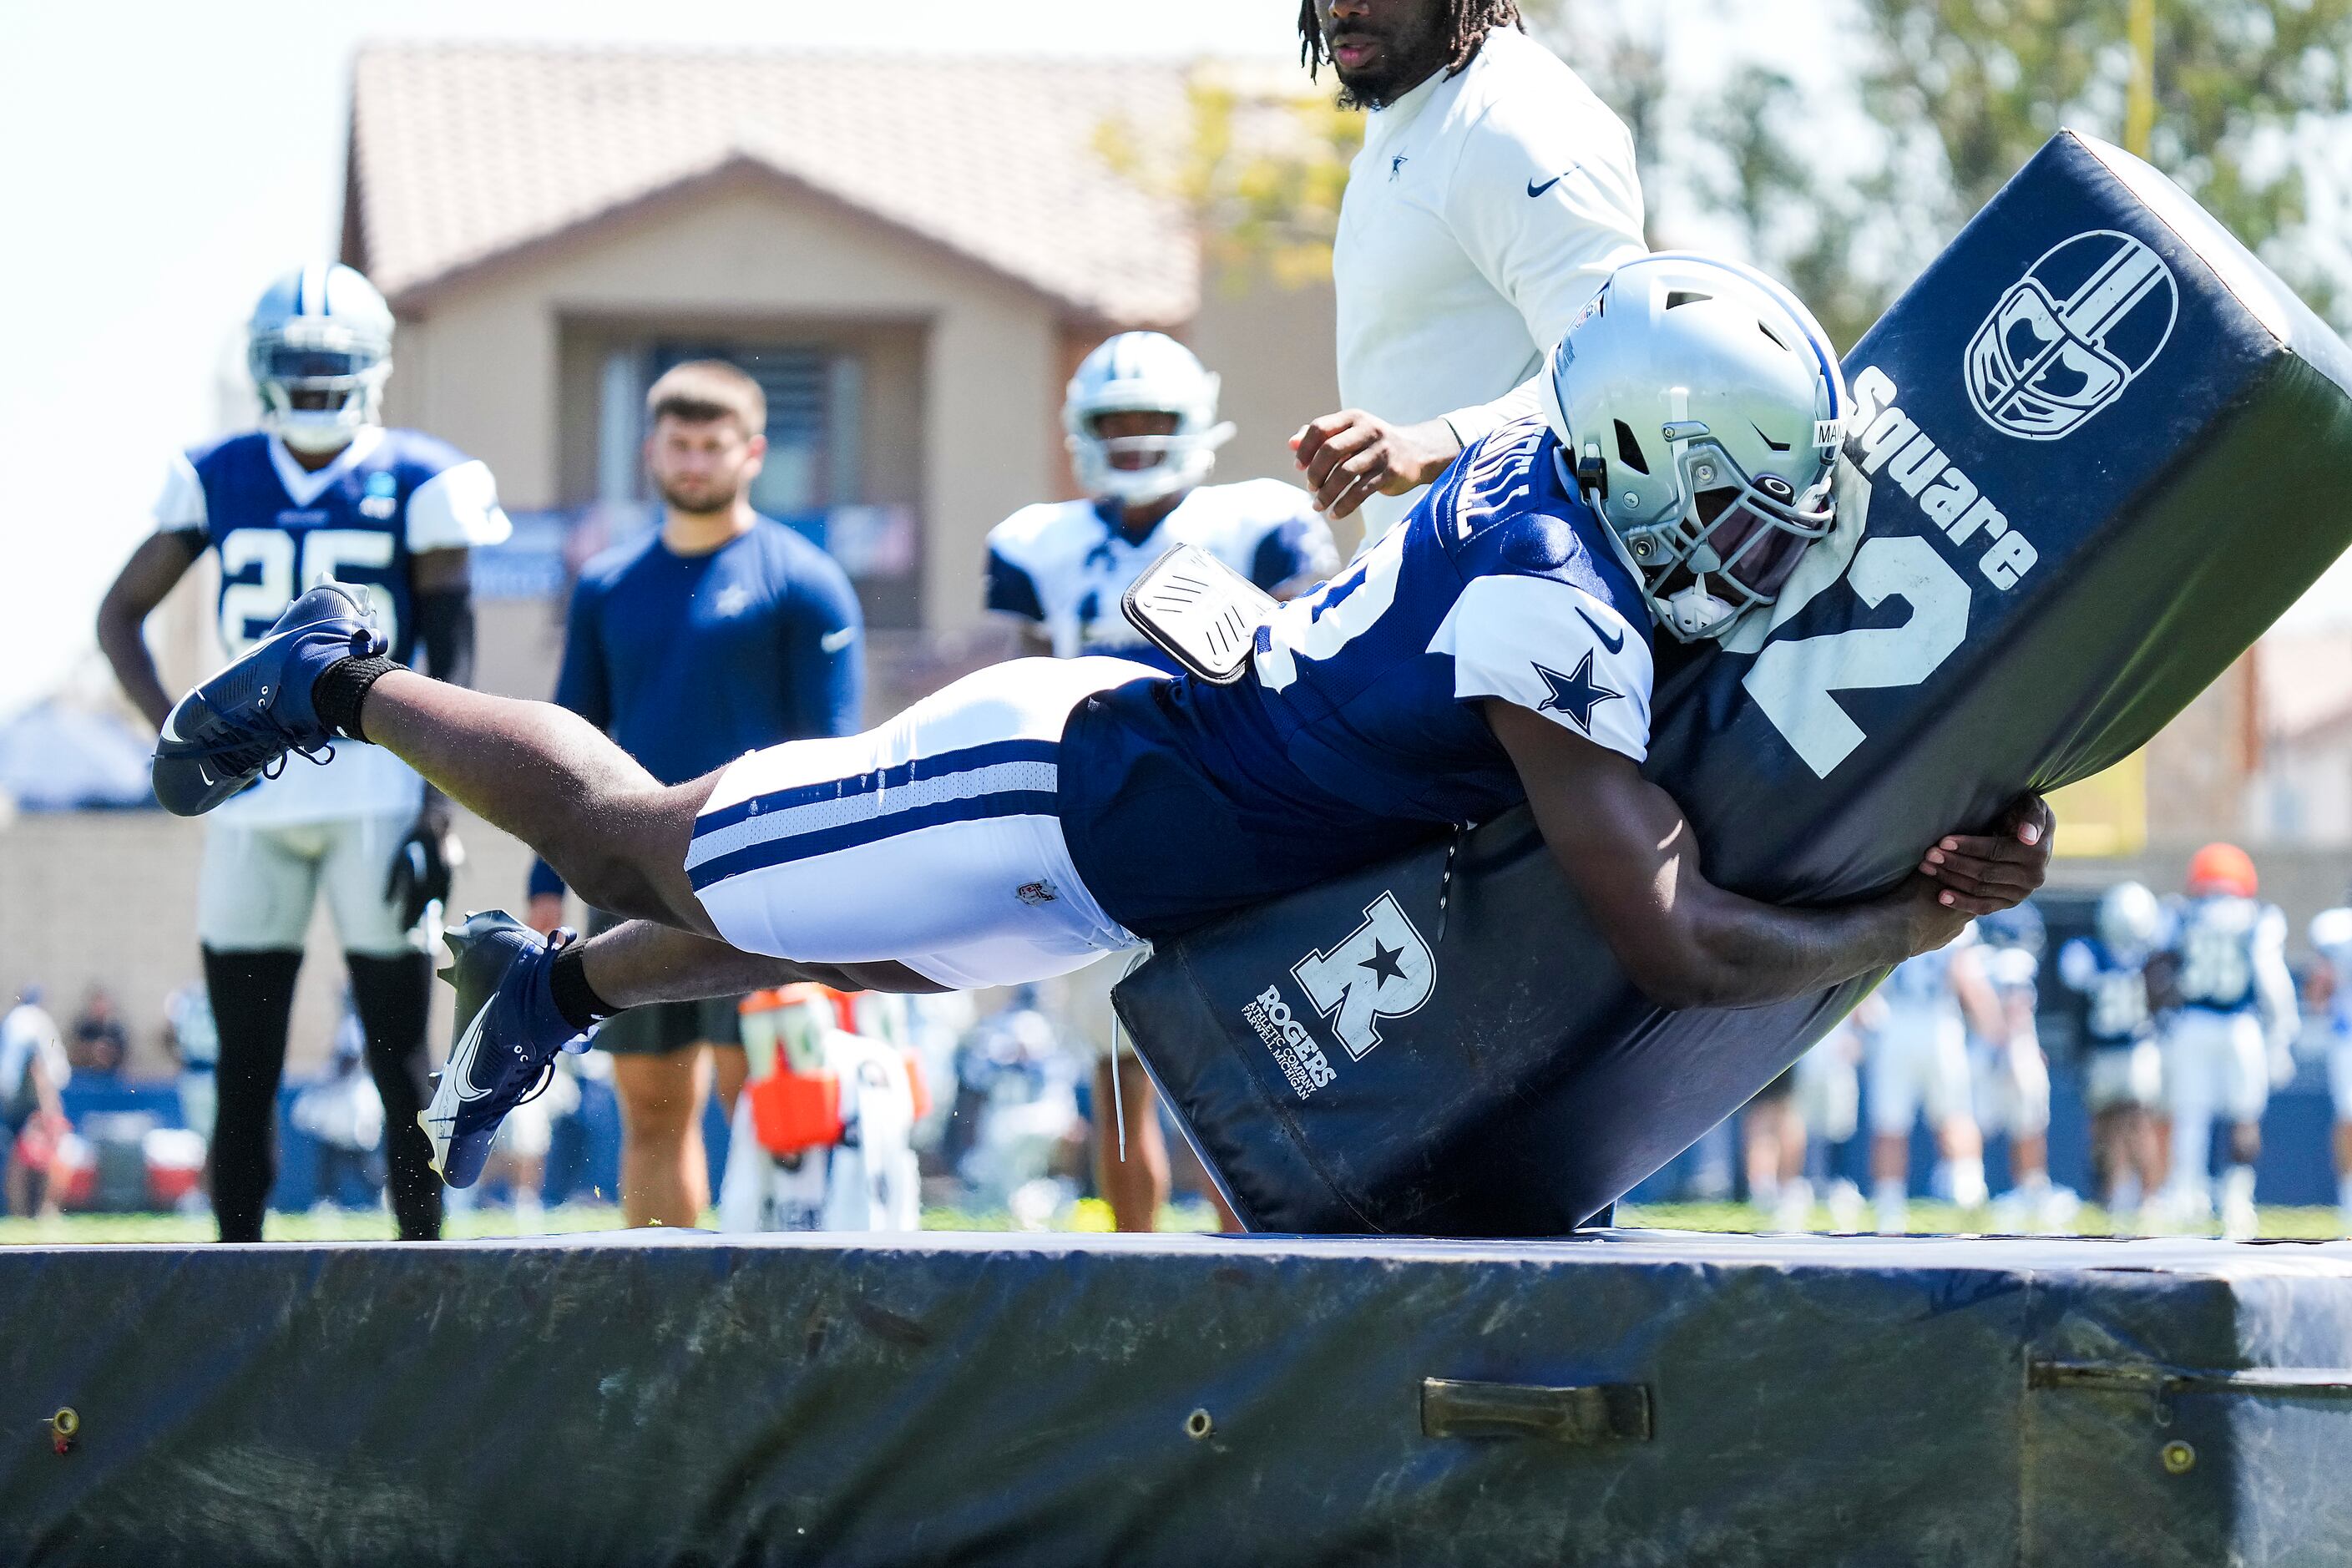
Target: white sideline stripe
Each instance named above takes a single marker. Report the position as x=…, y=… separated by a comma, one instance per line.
x=817, y=816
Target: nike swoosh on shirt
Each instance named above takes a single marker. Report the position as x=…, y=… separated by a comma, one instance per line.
x=1614, y=645
x=834, y=642
x=1536, y=190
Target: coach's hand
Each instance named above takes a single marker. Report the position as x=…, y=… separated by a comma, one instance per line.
x=1979, y=874
x=1350, y=456
x=421, y=866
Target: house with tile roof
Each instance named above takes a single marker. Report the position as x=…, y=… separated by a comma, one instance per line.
x=912, y=254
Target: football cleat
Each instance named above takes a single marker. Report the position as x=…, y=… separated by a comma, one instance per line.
x=239, y=725
x=510, y=1034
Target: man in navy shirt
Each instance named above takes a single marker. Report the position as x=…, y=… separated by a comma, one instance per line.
x=720, y=633
x=1495, y=648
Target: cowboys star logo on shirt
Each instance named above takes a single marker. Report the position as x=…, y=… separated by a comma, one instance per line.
x=1576, y=694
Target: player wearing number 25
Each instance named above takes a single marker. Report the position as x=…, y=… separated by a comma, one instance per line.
x=1494, y=648
x=321, y=492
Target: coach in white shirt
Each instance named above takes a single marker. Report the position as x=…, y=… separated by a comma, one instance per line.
x=1492, y=196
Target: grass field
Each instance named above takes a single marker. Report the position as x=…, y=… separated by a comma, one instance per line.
x=86, y=1230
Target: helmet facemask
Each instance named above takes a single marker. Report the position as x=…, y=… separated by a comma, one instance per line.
x=319, y=381
x=1731, y=545
x=1142, y=372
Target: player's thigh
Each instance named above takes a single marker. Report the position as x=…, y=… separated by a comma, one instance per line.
x=2246, y=1071
x=1949, y=1084
x=1895, y=1081
x=255, y=888
x=931, y=841
x=355, y=874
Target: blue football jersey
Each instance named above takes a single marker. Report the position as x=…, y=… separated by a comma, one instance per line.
x=1066, y=566
x=2113, y=988
x=1355, y=731
x=279, y=530
x=2231, y=952
x=1925, y=980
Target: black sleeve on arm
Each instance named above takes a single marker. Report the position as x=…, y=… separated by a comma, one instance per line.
x=444, y=629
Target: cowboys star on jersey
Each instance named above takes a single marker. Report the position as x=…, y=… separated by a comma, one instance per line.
x=280, y=530
x=1066, y=565
x=1354, y=732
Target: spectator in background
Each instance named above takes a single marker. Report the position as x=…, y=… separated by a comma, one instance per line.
x=99, y=1045
x=719, y=633
x=34, y=1068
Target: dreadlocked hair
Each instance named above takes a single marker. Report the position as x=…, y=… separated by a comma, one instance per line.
x=1467, y=24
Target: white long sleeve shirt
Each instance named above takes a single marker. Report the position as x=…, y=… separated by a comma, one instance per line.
x=1481, y=214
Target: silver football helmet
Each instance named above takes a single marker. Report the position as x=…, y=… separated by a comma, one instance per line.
x=2129, y=918
x=1153, y=372
x=319, y=347
x=1699, y=409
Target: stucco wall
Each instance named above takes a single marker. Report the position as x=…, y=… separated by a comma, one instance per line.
x=480, y=360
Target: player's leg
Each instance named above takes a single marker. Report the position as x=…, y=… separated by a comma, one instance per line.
x=1134, y=1183
x=1896, y=1070
x=253, y=905
x=391, y=989
x=664, y=1171
x=2248, y=1097
x=1958, y=1138
x=615, y=833
x=926, y=854
x=2191, y=1094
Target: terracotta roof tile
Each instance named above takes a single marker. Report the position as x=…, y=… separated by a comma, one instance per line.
x=461, y=154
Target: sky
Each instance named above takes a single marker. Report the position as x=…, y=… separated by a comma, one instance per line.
x=150, y=192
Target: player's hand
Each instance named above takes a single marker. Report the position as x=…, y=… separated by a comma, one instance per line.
x=421, y=866
x=545, y=913
x=1977, y=874
x=1351, y=455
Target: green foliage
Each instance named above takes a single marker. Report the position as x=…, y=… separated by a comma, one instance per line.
x=1260, y=170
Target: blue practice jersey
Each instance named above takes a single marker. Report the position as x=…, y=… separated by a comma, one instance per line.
x=2113, y=988
x=1066, y=565
x=279, y=530
x=1356, y=730
x=689, y=661
x=1924, y=981
x=2231, y=954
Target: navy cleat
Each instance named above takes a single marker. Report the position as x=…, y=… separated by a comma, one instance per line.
x=510, y=1034
x=239, y=725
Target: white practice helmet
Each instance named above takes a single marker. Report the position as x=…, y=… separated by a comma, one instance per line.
x=1153, y=372
x=1688, y=381
x=2130, y=917
x=321, y=328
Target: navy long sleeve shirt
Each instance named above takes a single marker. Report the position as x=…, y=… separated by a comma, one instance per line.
x=689, y=661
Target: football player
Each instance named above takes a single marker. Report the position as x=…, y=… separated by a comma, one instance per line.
x=1917, y=1063
x=1140, y=419
x=1028, y=818
x=2331, y=933
x=2223, y=970
x=2012, y=1075
x=321, y=492
x=2123, y=1070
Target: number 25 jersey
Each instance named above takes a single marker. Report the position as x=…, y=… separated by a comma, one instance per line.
x=280, y=530
x=1356, y=730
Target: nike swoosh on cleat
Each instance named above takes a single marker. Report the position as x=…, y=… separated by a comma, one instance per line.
x=461, y=1060
x=1614, y=645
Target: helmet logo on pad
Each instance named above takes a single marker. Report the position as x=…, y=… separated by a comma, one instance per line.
x=2067, y=339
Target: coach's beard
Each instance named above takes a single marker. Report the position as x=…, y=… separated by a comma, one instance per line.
x=700, y=503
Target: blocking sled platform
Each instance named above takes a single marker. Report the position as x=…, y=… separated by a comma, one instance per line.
x=1625, y=1397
